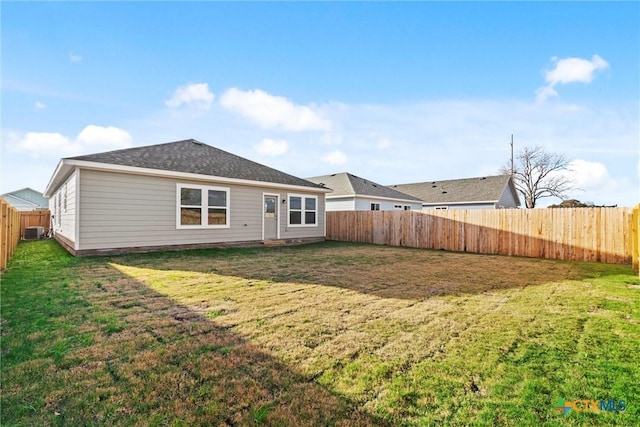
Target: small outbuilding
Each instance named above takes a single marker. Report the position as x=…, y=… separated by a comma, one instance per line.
x=182, y=194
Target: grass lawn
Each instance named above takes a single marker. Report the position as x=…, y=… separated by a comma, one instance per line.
x=323, y=334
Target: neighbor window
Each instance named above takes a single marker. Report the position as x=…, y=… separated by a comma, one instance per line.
x=441, y=208
x=397, y=206
x=202, y=206
x=375, y=206
x=303, y=210
x=407, y=207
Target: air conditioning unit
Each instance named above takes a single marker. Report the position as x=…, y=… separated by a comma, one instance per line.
x=31, y=233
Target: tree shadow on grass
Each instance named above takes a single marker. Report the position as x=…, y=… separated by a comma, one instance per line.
x=382, y=271
x=147, y=360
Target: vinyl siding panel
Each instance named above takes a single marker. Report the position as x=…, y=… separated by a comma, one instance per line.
x=63, y=207
x=461, y=206
x=364, y=204
x=340, y=204
x=507, y=200
x=125, y=210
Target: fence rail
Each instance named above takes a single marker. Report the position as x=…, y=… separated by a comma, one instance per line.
x=9, y=232
x=579, y=234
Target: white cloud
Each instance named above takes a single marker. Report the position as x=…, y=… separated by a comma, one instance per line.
x=570, y=70
x=586, y=174
x=91, y=139
x=594, y=183
x=104, y=137
x=545, y=92
x=383, y=144
x=39, y=106
x=335, y=157
x=195, y=95
x=44, y=143
x=271, y=111
x=73, y=57
x=272, y=147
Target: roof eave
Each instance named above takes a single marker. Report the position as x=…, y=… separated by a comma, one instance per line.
x=171, y=174
x=61, y=170
x=342, y=196
x=460, y=203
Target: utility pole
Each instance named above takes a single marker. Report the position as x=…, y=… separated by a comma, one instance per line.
x=511, y=155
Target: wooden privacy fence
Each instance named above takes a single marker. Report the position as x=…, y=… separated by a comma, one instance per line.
x=9, y=232
x=34, y=219
x=579, y=234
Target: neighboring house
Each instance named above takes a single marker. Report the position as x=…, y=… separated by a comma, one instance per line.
x=352, y=193
x=178, y=195
x=26, y=199
x=487, y=192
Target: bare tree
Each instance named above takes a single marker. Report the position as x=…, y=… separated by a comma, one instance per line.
x=536, y=174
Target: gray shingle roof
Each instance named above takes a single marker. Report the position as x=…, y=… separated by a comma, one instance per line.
x=191, y=156
x=346, y=184
x=481, y=189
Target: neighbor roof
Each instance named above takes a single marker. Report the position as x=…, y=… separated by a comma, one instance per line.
x=346, y=184
x=191, y=156
x=481, y=189
x=26, y=198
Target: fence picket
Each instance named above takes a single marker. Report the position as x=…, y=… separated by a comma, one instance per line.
x=581, y=234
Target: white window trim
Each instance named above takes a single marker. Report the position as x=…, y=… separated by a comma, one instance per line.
x=375, y=206
x=203, y=207
x=441, y=208
x=302, y=210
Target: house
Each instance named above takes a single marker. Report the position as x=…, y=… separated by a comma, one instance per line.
x=486, y=192
x=352, y=193
x=26, y=199
x=176, y=195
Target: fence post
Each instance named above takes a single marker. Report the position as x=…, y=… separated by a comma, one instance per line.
x=4, y=234
x=9, y=232
x=635, y=238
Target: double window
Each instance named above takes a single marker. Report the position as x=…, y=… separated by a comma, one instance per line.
x=375, y=206
x=303, y=210
x=202, y=206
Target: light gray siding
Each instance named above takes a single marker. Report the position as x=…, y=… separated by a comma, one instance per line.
x=62, y=205
x=341, y=204
x=125, y=210
x=364, y=204
x=460, y=206
x=506, y=199
x=360, y=203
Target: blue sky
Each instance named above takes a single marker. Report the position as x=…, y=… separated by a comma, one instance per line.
x=393, y=92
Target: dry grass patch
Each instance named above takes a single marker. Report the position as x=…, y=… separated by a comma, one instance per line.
x=329, y=334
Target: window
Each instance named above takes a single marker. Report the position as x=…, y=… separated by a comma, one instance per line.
x=441, y=208
x=407, y=207
x=64, y=200
x=397, y=206
x=59, y=209
x=202, y=206
x=375, y=206
x=303, y=210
